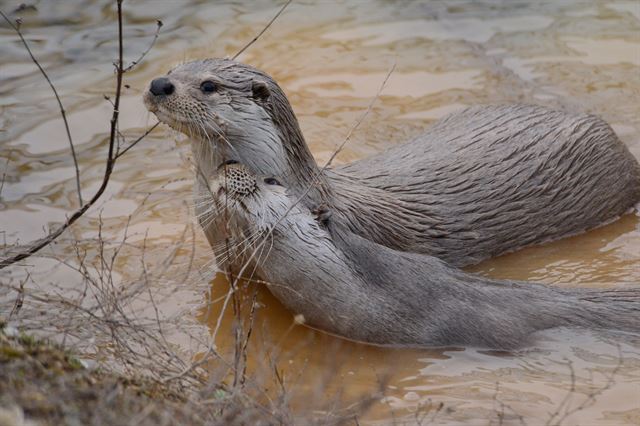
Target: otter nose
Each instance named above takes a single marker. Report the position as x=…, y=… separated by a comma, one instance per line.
x=161, y=86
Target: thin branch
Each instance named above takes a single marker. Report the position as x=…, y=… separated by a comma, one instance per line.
x=112, y=155
x=16, y=28
x=556, y=418
x=20, y=299
x=132, y=144
x=4, y=173
x=357, y=124
x=263, y=30
x=155, y=37
x=111, y=159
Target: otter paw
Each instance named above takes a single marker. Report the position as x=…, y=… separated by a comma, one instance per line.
x=322, y=213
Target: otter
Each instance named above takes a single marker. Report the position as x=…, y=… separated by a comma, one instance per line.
x=478, y=183
x=352, y=287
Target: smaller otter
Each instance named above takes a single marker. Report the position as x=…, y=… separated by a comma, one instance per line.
x=346, y=285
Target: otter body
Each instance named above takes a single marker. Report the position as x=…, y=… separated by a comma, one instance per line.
x=478, y=183
x=349, y=286
x=489, y=180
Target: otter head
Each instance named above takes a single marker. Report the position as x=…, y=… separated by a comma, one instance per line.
x=233, y=111
x=251, y=204
x=257, y=216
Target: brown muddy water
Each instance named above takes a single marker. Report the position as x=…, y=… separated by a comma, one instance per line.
x=330, y=58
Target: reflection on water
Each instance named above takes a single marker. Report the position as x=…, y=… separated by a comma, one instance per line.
x=476, y=30
x=413, y=84
x=331, y=58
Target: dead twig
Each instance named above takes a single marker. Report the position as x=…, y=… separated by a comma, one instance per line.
x=4, y=173
x=132, y=144
x=263, y=30
x=360, y=120
x=155, y=38
x=563, y=411
x=20, y=299
x=112, y=154
x=16, y=28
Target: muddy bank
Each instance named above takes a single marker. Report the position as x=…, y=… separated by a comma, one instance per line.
x=43, y=384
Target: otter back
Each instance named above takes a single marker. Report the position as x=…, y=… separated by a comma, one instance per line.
x=489, y=180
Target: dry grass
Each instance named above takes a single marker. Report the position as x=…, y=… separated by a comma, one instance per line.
x=46, y=384
x=143, y=376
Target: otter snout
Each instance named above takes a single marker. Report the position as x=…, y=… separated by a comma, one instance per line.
x=161, y=91
x=161, y=87
x=236, y=179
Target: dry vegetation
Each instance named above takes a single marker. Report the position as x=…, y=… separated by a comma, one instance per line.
x=138, y=376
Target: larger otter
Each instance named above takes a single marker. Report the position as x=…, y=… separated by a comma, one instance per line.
x=364, y=291
x=478, y=183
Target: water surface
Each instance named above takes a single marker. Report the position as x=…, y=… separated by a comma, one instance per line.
x=331, y=58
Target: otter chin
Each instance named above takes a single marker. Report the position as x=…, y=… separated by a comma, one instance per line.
x=346, y=285
x=478, y=183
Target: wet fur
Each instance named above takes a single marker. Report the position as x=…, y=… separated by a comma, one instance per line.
x=349, y=286
x=478, y=183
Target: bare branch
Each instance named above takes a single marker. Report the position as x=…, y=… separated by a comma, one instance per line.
x=20, y=299
x=16, y=28
x=557, y=417
x=155, y=37
x=263, y=30
x=132, y=144
x=4, y=173
x=112, y=154
x=360, y=120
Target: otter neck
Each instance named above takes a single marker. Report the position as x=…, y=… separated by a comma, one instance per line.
x=269, y=150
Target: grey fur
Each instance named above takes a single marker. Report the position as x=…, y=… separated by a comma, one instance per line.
x=478, y=183
x=349, y=286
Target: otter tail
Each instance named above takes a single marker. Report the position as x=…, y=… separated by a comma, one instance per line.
x=506, y=313
x=613, y=308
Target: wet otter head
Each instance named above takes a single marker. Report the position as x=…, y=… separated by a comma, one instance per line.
x=233, y=110
x=250, y=203
x=203, y=98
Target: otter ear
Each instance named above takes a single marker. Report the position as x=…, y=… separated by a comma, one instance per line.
x=259, y=90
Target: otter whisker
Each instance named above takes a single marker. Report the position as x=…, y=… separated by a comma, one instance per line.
x=223, y=252
x=258, y=261
x=270, y=237
x=246, y=243
x=238, y=256
x=246, y=240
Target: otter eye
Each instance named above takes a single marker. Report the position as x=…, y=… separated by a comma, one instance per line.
x=208, y=86
x=272, y=181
